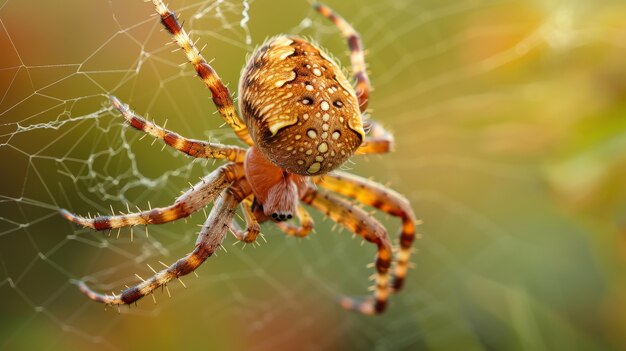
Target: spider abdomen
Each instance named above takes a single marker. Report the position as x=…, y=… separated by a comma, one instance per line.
x=302, y=112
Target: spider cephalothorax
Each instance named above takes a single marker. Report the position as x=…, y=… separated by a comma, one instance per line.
x=276, y=191
x=302, y=121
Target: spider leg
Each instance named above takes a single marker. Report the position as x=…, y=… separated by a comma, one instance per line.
x=194, y=148
x=384, y=199
x=219, y=92
x=209, y=239
x=302, y=230
x=378, y=141
x=357, y=56
x=366, y=226
x=191, y=201
x=253, y=228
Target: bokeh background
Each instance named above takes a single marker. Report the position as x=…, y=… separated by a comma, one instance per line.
x=510, y=122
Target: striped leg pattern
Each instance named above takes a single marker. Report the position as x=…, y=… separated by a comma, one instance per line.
x=378, y=140
x=384, y=199
x=200, y=195
x=358, y=221
x=357, y=57
x=301, y=230
x=209, y=239
x=194, y=148
x=219, y=92
x=253, y=229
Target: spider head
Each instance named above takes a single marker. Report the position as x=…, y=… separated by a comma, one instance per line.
x=276, y=190
x=302, y=112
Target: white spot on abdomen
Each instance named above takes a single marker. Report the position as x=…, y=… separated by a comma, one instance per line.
x=323, y=147
x=314, y=167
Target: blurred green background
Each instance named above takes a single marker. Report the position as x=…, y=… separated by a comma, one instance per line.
x=509, y=118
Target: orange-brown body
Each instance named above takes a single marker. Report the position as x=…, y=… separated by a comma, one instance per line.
x=300, y=109
x=276, y=190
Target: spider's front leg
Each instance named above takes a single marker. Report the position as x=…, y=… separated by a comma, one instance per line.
x=209, y=239
x=194, y=148
x=366, y=226
x=384, y=199
x=191, y=201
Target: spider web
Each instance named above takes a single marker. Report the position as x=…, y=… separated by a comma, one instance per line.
x=510, y=131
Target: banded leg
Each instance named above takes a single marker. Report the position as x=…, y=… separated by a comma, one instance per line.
x=357, y=56
x=378, y=141
x=302, y=230
x=253, y=229
x=384, y=199
x=366, y=226
x=194, y=148
x=209, y=239
x=191, y=201
x=219, y=92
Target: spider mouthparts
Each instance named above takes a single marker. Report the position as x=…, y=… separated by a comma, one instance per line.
x=281, y=217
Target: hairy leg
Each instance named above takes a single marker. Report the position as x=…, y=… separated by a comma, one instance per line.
x=377, y=141
x=364, y=225
x=194, y=148
x=357, y=56
x=253, y=229
x=210, y=237
x=191, y=201
x=302, y=230
x=384, y=199
x=219, y=92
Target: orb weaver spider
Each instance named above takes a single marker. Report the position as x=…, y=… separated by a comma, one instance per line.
x=303, y=120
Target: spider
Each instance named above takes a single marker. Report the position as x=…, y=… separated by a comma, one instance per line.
x=302, y=119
